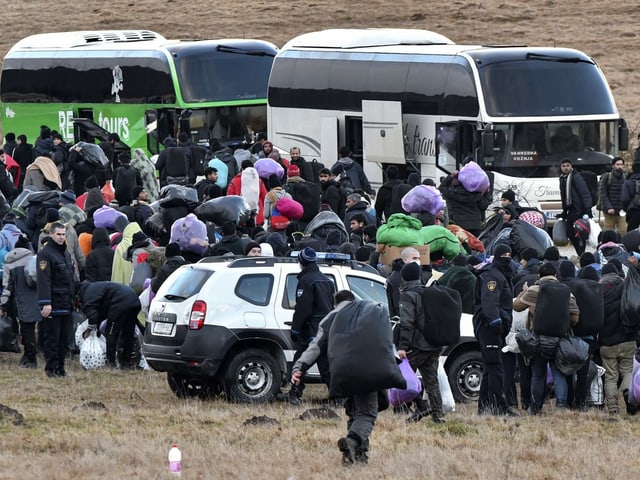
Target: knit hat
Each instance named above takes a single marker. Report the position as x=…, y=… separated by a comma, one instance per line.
x=293, y=171
x=509, y=195
x=609, y=236
x=587, y=258
x=228, y=228
x=68, y=197
x=551, y=254
x=618, y=264
x=501, y=249
x=589, y=273
x=609, y=268
x=631, y=241
x=528, y=253
x=91, y=182
x=363, y=254
x=307, y=255
x=140, y=239
x=250, y=246
x=274, y=181
x=567, y=269
x=52, y=215
x=136, y=191
x=410, y=272
x=172, y=250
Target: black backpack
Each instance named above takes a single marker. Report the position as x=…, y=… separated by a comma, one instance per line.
x=591, y=179
x=308, y=195
x=551, y=317
x=176, y=165
x=442, y=308
x=198, y=155
x=316, y=166
x=590, y=299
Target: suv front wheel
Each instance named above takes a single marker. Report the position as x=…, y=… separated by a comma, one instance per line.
x=252, y=376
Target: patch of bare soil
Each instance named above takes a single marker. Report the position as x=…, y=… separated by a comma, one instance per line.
x=605, y=30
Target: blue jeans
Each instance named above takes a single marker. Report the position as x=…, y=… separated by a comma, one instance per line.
x=539, y=380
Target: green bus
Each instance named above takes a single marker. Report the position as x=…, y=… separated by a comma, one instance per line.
x=137, y=84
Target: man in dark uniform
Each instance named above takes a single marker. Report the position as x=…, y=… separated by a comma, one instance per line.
x=56, y=289
x=492, y=317
x=314, y=299
x=120, y=305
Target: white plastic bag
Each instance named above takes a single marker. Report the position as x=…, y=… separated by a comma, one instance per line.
x=92, y=353
x=592, y=241
x=597, y=388
x=448, y=403
x=519, y=322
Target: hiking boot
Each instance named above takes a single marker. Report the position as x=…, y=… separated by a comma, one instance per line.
x=631, y=409
x=437, y=418
x=417, y=416
x=348, y=448
x=294, y=399
x=510, y=412
x=361, y=456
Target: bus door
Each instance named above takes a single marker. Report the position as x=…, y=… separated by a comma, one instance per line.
x=329, y=140
x=454, y=145
x=353, y=137
x=159, y=124
x=383, y=138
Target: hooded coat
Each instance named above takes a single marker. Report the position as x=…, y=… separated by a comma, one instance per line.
x=123, y=268
x=100, y=260
x=18, y=257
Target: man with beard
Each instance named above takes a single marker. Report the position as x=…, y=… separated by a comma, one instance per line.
x=492, y=318
x=576, y=202
x=610, y=192
x=331, y=193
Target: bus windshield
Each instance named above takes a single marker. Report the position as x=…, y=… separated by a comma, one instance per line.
x=545, y=86
x=222, y=75
x=536, y=149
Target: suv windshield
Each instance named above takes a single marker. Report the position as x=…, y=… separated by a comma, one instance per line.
x=189, y=282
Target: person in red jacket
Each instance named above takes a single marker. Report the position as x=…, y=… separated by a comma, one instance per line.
x=248, y=185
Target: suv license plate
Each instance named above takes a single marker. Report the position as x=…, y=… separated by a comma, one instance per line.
x=160, y=328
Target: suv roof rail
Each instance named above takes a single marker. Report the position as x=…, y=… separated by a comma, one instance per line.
x=324, y=258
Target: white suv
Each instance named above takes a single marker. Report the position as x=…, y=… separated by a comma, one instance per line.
x=223, y=325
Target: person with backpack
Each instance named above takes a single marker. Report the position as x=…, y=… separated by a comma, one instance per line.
x=413, y=346
x=20, y=298
x=576, y=202
x=385, y=194
x=353, y=170
x=552, y=309
x=364, y=401
x=306, y=194
x=631, y=197
x=610, y=196
x=125, y=179
x=617, y=345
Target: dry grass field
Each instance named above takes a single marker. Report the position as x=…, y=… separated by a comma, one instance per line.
x=64, y=436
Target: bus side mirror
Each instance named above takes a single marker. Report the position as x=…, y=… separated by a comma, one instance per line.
x=487, y=144
x=623, y=135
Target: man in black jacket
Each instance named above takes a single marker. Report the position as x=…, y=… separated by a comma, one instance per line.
x=576, y=202
x=492, y=318
x=385, y=194
x=56, y=288
x=120, y=305
x=125, y=179
x=314, y=299
x=617, y=346
x=332, y=193
x=421, y=354
x=610, y=192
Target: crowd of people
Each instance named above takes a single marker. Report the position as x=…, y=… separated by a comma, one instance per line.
x=106, y=233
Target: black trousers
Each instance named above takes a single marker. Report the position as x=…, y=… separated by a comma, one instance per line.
x=56, y=342
x=492, y=399
x=28, y=333
x=122, y=323
x=427, y=364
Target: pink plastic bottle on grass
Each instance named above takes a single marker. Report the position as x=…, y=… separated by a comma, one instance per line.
x=175, y=460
